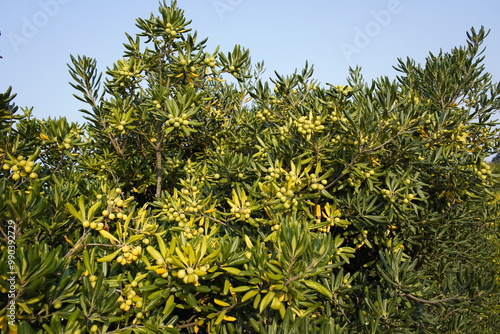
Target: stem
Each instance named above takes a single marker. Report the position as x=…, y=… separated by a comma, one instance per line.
x=426, y=301
x=159, y=170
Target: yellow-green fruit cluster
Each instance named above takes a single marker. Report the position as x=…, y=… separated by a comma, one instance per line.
x=483, y=171
x=192, y=274
x=307, y=125
x=274, y=173
x=286, y=197
x=264, y=115
x=171, y=213
x=210, y=61
x=243, y=212
x=191, y=231
x=172, y=163
x=177, y=121
x=132, y=300
x=336, y=139
x=344, y=90
x=353, y=181
x=316, y=184
x=21, y=168
x=171, y=32
x=93, y=225
x=129, y=254
x=284, y=132
x=116, y=206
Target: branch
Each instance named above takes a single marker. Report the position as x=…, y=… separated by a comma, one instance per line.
x=426, y=301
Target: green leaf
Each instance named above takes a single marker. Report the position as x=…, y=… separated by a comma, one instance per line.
x=318, y=288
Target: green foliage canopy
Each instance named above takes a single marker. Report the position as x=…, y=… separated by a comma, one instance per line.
x=199, y=198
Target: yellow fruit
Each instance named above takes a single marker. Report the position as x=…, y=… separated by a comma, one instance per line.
x=181, y=273
x=15, y=168
x=93, y=225
x=94, y=328
x=6, y=167
x=105, y=213
x=125, y=249
x=86, y=223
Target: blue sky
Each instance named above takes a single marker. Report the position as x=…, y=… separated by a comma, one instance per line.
x=38, y=37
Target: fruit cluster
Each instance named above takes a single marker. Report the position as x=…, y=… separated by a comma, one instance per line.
x=316, y=184
x=116, y=206
x=344, y=90
x=243, y=212
x=309, y=125
x=210, y=61
x=286, y=197
x=170, y=30
x=264, y=115
x=177, y=121
x=483, y=172
x=274, y=173
x=131, y=300
x=191, y=274
x=284, y=132
x=130, y=254
x=20, y=167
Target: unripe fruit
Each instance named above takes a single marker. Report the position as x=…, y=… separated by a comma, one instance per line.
x=181, y=273
x=93, y=278
x=57, y=304
x=94, y=328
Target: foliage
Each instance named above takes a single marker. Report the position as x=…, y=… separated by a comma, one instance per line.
x=199, y=198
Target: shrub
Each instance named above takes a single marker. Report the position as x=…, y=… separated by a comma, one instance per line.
x=199, y=198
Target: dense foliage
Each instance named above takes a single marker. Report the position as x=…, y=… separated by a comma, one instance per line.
x=199, y=198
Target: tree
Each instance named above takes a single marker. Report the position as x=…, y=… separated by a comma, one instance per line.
x=199, y=198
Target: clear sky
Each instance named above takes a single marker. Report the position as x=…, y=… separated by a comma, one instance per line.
x=38, y=37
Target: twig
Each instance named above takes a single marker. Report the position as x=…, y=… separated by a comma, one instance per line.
x=426, y=301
